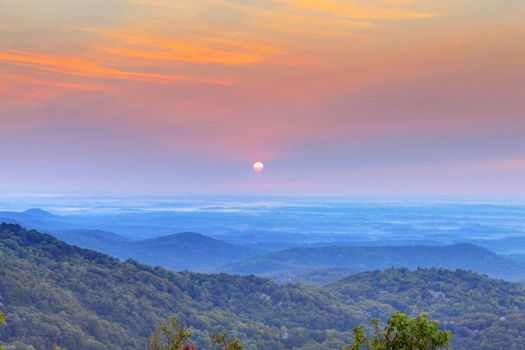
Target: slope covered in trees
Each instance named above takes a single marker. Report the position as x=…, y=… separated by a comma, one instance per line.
x=481, y=312
x=57, y=294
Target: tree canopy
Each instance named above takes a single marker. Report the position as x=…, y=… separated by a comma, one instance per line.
x=401, y=333
x=170, y=335
x=2, y=322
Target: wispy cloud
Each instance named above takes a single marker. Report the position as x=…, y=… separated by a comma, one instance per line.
x=53, y=83
x=374, y=11
x=145, y=46
x=69, y=65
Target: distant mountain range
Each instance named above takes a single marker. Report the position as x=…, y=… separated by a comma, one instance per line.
x=185, y=251
x=284, y=262
x=337, y=261
x=317, y=264
x=34, y=218
x=57, y=294
x=179, y=251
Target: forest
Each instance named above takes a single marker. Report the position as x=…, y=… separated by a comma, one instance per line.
x=55, y=294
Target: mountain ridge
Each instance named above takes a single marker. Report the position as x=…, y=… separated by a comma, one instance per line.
x=296, y=261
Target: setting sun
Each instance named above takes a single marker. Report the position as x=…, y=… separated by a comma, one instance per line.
x=258, y=166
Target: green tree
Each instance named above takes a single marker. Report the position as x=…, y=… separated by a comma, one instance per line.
x=220, y=342
x=402, y=333
x=2, y=322
x=170, y=336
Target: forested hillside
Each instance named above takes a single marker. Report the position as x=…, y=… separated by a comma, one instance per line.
x=482, y=313
x=57, y=294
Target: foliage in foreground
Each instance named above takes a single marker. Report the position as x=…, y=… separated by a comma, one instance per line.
x=401, y=333
x=172, y=336
x=2, y=322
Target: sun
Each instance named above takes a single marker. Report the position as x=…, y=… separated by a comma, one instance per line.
x=258, y=166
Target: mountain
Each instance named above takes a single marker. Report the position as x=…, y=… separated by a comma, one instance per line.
x=507, y=245
x=35, y=218
x=280, y=260
x=57, y=294
x=186, y=250
x=37, y=212
x=297, y=263
x=81, y=234
x=180, y=251
x=269, y=247
x=102, y=241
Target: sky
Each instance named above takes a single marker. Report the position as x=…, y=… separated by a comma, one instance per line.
x=336, y=97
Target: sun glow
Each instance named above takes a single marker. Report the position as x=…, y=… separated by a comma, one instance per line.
x=258, y=166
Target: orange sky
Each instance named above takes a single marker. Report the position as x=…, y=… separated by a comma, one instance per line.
x=337, y=97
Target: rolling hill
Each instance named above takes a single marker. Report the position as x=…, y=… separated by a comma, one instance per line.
x=99, y=240
x=179, y=251
x=312, y=264
x=35, y=218
x=300, y=263
x=184, y=251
